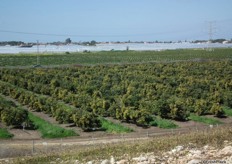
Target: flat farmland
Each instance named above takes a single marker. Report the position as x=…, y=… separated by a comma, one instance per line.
x=111, y=96
x=112, y=57
x=127, y=86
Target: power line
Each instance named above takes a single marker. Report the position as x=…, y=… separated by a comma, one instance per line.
x=73, y=35
x=44, y=34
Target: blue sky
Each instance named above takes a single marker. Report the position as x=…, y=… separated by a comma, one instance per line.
x=114, y=20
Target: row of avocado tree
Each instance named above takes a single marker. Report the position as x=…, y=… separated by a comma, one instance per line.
x=60, y=111
x=11, y=114
x=169, y=90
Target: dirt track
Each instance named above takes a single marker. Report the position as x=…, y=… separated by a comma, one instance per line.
x=25, y=147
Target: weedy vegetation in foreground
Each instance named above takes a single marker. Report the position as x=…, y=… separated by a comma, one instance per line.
x=214, y=137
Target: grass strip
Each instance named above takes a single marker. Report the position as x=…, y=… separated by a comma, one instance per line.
x=4, y=134
x=228, y=111
x=163, y=123
x=49, y=130
x=111, y=127
x=203, y=119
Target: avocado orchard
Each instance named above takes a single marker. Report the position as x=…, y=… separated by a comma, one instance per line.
x=132, y=93
x=10, y=114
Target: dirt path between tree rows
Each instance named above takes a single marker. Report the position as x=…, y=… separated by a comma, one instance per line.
x=28, y=142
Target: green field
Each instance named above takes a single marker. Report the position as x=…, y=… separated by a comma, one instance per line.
x=113, y=57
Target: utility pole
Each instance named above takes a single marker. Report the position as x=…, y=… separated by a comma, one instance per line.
x=37, y=46
x=37, y=62
x=211, y=32
x=211, y=28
